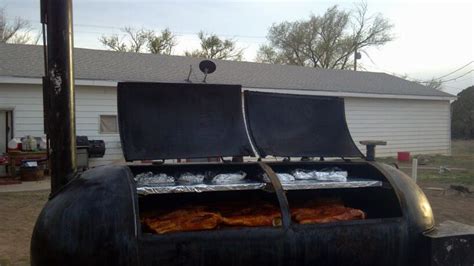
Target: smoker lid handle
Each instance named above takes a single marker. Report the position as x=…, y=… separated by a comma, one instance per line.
x=373, y=142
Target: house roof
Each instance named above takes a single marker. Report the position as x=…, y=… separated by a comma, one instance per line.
x=26, y=61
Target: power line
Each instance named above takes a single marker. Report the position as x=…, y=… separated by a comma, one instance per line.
x=434, y=79
x=459, y=80
x=175, y=32
x=447, y=80
x=458, y=69
x=470, y=71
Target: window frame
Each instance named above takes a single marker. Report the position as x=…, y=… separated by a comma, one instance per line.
x=116, y=124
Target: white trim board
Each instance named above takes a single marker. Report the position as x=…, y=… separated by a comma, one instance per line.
x=351, y=94
x=111, y=83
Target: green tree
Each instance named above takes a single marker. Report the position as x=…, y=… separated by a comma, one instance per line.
x=215, y=48
x=462, y=123
x=139, y=40
x=327, y=41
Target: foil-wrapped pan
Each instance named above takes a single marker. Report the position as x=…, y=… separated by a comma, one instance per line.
x=165, y=189
x=312, y=184
x=327, y=174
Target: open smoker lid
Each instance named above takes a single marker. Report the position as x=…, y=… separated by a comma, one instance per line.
x=181, y=120
x=298, y=125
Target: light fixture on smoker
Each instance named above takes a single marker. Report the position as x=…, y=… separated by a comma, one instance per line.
x=207, y=67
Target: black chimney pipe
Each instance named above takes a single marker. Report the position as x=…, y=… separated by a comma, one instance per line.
x=58, y=90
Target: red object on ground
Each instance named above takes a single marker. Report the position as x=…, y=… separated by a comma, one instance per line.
x=4, y=160
x=403, y=156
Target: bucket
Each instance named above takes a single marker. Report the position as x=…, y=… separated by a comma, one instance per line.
x=403, y=156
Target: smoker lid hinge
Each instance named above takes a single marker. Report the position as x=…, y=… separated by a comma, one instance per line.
x=155, y=162
x=346, y=160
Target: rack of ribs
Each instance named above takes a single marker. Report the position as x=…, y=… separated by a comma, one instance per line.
x=259, y=214
x=194, y=218
x=188, y=219
x=325, y=212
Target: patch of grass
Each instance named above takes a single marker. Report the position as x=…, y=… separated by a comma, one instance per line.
x=460, y=165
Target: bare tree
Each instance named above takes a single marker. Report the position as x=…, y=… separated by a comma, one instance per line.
x=434, y=84
x=215, y=48
x=137, y=40
x=326, y=41
x=163, y=43
x=18, y=31
x=114, y=42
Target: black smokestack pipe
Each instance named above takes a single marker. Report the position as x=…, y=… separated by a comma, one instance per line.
x=58, y=90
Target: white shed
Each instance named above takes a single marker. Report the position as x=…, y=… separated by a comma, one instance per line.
x=409, y=116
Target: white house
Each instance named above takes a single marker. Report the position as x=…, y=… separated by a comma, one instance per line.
x=409, y=116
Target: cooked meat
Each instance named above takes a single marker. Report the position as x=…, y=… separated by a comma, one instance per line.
x=260, y=213
x=325, y=213
x=255, y=215
x=189, y=219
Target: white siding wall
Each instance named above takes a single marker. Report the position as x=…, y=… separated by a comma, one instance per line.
x=91, y=102
x=27, y=105
x=416, y=126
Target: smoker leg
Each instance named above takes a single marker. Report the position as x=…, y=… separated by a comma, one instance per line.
x=452, y=244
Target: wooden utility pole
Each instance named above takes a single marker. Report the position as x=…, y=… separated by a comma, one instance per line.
x=357, y=55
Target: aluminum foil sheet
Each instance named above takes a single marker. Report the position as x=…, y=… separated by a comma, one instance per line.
x=284, y=178
x=327, y=174
x=229, y=178
x=313, y=184
x=166, y=189
x=190, y=178
x=152, y=179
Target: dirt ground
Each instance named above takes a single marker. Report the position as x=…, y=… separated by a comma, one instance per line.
x=19, y=211
x=449, y=204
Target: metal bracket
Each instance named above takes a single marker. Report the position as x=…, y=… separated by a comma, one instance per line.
x=44, y=12
x=282, y=200
x=45, y=104
x=370, y=144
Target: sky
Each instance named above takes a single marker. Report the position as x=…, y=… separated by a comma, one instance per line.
x=432, y=38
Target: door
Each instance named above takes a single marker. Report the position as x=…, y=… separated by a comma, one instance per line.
x=5, y=133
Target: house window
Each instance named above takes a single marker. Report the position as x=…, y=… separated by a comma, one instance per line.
x=108, y=124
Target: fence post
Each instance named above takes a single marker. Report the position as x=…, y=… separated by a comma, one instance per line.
x=414, y=169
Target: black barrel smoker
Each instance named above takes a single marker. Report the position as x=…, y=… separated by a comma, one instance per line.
x=95, y=218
